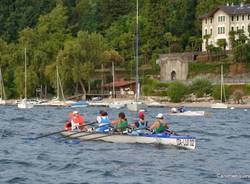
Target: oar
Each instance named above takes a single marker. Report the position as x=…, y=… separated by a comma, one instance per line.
x=94, y=138
x=46, y=135
x=77, y=133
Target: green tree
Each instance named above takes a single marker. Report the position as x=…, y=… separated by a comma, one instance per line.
x=177, y=91
x=222, y=43
x=201, y=87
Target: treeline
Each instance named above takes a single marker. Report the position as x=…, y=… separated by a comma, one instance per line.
x=80, y=36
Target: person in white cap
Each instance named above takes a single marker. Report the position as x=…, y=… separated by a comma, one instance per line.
x=160, y=124
x=77, y=121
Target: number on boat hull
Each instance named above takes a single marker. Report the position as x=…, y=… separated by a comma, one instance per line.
x=186, y=142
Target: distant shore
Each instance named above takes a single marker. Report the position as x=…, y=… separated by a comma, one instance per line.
x=155, y=102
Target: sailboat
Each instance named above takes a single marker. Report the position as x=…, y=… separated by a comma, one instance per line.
x=115, y=104
x=221, y=105
x=2, y=91
x=137, y=105
x=56, y=101
x=25, y=104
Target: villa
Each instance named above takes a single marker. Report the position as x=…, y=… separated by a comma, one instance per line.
x=218, y=23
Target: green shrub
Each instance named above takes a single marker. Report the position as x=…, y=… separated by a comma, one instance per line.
x=177, y=91
x=200, y=87
x=237, y=96
x=247, y=89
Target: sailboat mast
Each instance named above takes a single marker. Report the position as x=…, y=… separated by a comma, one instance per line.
x=57, y=83
x=113, y=74
x=2, y=94
x=25, y=74
x=221, y=84
x=137, y=51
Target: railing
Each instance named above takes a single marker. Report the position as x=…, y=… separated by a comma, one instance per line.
x=232, y=81
x=216, y=81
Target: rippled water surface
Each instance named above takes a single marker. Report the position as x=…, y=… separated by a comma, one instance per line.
x=221, y=156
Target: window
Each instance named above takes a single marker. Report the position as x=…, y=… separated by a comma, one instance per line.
x=237, y=18
x=237, y=28
x=211, y=20
x=205, y=31
x=242, y=17
x=232, y=28
x=232, y=18
x=243, y=28
x=221, y=18
x=205, y=21
x=221, y=30
x=211, y=31
x=248, y=17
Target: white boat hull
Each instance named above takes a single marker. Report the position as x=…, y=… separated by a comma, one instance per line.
x=219, y=106
x=116, y=105
x=2, y=102
x=136, y=106
x=187, y=142
x=189, y=113
x=24, y=104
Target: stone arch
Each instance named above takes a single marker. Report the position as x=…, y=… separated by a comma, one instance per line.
x=173, y=75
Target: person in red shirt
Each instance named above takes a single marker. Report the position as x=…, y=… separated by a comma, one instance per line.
x=77, y=121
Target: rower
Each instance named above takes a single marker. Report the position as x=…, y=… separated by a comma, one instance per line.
x=159, y=125
x=120, y=124
x=103, y=122
x=140, y=126
x=76, y=122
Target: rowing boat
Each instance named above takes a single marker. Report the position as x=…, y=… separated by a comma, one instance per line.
x=188, y=113
x=181, y=141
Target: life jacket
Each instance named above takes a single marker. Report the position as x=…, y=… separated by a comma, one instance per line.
x=104, y=121
x=77, y=122
x=76, y=119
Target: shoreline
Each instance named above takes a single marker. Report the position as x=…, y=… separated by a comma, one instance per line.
x=155, y=103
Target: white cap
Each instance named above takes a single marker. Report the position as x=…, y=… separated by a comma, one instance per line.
x=160, y=115
x=75, y=112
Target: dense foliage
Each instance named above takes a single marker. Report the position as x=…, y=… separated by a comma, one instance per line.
x=177, y=91
x=75, y=34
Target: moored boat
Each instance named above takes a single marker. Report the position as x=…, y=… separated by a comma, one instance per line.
x=219, y=106
x=79, y=104
x=188, y=113
x=116, y=105
x=181, y=141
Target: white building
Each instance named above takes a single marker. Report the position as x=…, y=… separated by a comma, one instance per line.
x=222, y=20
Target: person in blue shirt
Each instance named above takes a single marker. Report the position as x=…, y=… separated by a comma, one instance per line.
x=103, y=122
x=181, y=109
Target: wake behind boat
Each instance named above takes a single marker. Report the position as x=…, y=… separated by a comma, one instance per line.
x=181, y=141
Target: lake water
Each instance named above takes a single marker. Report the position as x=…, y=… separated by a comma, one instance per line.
x=221, y=156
